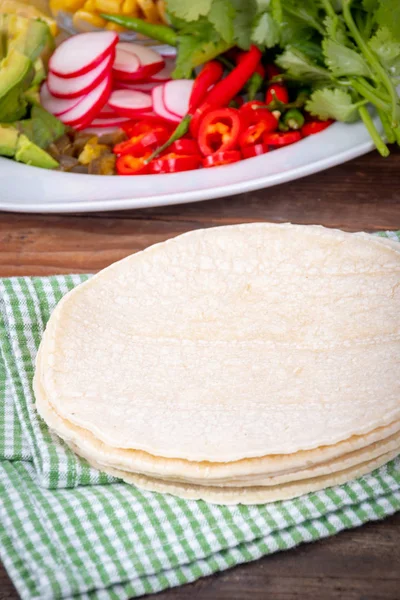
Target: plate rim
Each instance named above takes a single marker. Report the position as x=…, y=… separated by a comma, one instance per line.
x=188, y=196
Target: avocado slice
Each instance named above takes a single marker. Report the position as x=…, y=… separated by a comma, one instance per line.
x=8, y=140
x=28, y=36
x=28, y=153
x=40, y=72
x=15, y=72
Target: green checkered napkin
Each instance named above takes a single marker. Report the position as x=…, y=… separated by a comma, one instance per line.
x=67, y=530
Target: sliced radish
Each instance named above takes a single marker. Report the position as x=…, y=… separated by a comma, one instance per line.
x=107, y=112
x=55, y=106
x=166, y=72
x=82, y=53
x=111, y=122
x=140, y=86
x=159, y=106
x=127, y=103
x=150, y=61
x=177, y=95
x=126, y=64
x=88, y=108
x=72, y=87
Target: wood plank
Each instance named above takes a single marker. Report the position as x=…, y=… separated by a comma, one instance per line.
x=360, y=564
x=361, y=195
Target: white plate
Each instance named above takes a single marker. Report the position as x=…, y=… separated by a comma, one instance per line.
x=29, y=189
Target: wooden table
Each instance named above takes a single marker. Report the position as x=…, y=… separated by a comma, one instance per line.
x=362, y=564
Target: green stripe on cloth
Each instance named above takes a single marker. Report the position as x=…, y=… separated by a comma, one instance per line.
x=68, y=531
x=82, y=541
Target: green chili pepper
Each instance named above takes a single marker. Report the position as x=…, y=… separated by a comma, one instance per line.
x=254, y=85
x=179, y=132
x=161, y=33
x=293, y=119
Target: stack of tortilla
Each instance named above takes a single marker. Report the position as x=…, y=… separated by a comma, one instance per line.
x=240, y=364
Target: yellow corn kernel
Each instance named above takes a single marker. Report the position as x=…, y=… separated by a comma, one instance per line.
x=130, y=7
x=87, y=21
x=90, y=6
x=162, y=11
x=67, y=5
x=115, y=27
x=109, y=6
x=149, y=10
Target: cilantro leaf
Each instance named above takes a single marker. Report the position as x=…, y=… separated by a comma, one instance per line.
x=189, y=11
x=370, y=5
x=243, y=22
x=388, y=15
x=336, y=30
x=305, y=12
x=221, y=16
x=265, y=31
x=332, y=104
x=387, y=50
x=299, y=67
x=183, y=66
x=312, y=50
x=344, y=61
x=277, y=11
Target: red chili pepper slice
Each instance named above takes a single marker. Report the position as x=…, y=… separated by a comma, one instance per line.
x=316, y=126
x=219, y=131
x=208, y=76
x=175, y=163
x=251, y=114
x=197, y=118
x=221, y=158
x=139, y=144
x=277, y=91
x=132, y=165
x=278, y=139
x=254, y=134
x=255, y=150
x=184, y=146
x=146, y=124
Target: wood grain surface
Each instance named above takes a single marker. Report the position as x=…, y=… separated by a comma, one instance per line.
x=362, y=564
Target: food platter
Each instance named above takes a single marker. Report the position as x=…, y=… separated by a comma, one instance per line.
x=30, y=189
x=93, y=104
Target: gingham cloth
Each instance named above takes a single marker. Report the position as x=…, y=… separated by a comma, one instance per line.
x=67, y=530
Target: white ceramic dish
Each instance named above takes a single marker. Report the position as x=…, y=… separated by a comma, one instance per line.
x=29, y=189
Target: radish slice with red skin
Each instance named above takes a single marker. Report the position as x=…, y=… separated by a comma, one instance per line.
x=127, y=103
x=111, y=122
x=73, y=87
x=159, y=106
x=146, y=55
x=107, y=112
x=55, y=106
x=125, y=64
x=140, y=86
x=177, y=95
x=88, y=108
x=81, y=53
x=150, y=61
x=166, y=72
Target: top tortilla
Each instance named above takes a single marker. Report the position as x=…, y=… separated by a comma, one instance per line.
x=231, y=343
